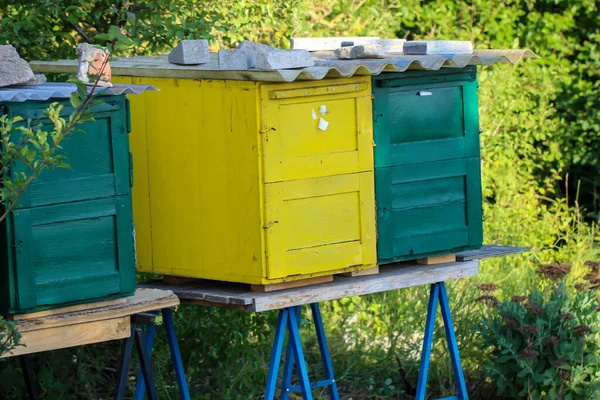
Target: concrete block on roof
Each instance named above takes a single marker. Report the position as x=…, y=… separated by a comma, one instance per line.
x=190, y=52
x=237, y=59
x=330, y=43
x=427, y=47
x=256, y=47
x=8, y=52
x=13, y=69
x=283, y=59
x=360, y=51
x=38, y=79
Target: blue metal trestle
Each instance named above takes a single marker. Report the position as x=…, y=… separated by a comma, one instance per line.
x=140, y=389
x=438, y=294
x=289, y=318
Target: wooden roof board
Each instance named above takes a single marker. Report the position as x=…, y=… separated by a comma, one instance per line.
x=326, y=66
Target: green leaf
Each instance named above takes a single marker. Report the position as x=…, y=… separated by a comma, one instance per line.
x=75, y=100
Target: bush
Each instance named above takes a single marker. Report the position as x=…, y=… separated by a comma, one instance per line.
x=9, y=337
x=545, y=344
x=540, y=126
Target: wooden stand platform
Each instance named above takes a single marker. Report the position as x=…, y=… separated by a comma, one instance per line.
x=86, y=323
x=102, y=322
x=390, y=277
x=289, y=302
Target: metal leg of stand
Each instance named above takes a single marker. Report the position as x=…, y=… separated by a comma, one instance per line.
x=290, y=318
x=439, y=295
x=29, y=377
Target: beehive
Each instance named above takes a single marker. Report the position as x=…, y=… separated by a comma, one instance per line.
x=71, y=238
x=427, y=163
x=236, y=182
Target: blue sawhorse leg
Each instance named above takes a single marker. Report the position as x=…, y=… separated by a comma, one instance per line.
x=136, y=339
x=438, y=294
x=184, y=393
x=290, y=318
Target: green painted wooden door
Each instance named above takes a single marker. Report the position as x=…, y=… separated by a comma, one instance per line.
x=98, y=156
x=72, y=252
x=427, y=175
x=71, y=237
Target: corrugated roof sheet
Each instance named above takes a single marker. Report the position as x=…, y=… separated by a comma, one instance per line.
x=55, y=90
x=327, y=66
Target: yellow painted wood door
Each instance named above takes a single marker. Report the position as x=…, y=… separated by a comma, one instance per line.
x=319, y=225
x=314, y=129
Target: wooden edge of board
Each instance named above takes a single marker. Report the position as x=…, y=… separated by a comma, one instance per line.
x=491, y=251
x=232, y=306
x=443, y=259
x=61, y=337
x=389, y=278
x=69, y=309
x=143, y=301
x=363, y=272
x=177, y=280
x=292, y=284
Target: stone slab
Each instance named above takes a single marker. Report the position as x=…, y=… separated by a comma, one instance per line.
x=237, y=59
x=8, y=52
x=13, y=69
x=257, y=47
x=38, y=79
x=360, y=51
x=190, y=52
x=283, y=59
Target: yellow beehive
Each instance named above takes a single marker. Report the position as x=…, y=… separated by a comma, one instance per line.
x=235, y=181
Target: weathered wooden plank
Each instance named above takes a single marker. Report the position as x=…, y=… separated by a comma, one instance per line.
x=215, y=292
x=390, y=277
x=61, y=337
x=70, y=309
x=247, y=308
x=487, y=251
x=177, y=280
x=446, y=258
x=364, y=272
x=292, y=284
x=144, y=300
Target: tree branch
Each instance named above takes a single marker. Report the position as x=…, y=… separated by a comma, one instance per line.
x=81, y=32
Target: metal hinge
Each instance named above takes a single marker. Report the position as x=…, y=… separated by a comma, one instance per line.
x=128, y=115
x=130, y=169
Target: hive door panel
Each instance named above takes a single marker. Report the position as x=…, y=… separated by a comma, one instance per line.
x=428, y=208
x=423, y=120
x=73, y=252
x=319, y=225
x=98, y=159
x=316, y=131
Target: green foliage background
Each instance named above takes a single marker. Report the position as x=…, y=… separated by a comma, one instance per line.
x=540, y=121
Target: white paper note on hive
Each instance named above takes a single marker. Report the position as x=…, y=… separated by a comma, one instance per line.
x=323, y=110
x=323, y=124
x=314, y=114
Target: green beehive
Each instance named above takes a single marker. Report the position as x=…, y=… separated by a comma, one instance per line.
x=427, y=163
x=70, y=239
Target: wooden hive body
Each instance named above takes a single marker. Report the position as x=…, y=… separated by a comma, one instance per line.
x=427, y=163
x=239, y=184
x=70, y=239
